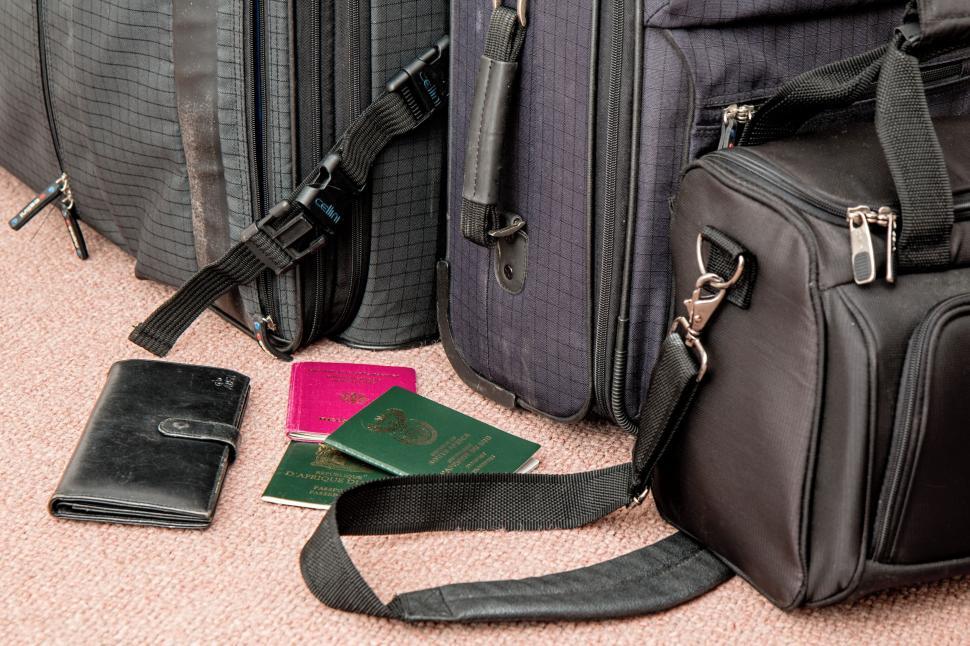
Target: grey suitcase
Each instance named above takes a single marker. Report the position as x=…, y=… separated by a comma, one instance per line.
x=178, y=124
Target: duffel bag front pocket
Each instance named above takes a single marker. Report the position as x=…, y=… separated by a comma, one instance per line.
x=922, y=515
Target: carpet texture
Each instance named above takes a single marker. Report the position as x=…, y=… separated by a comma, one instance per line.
x=67, y=321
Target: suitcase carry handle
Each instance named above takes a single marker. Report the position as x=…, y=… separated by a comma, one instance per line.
x=492, y=104
x=902, y=120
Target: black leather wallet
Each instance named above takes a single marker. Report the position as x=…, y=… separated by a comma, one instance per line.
x=156, y=447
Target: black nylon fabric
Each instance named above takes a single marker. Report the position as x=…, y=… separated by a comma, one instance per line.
x=477, y=220
x=905, y=131
x=505, y=36
x=654, y=578
x=503, y=43
x=672, y=389
x=388, y=117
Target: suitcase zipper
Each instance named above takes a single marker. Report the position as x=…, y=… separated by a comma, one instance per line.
x=736, y=117
x=858, y=218
x=316, y=274
x=319, y=323
x=733, y=122
x=267, y=323
x=354, y=286
x=60, y=188
x=860, y=239
x=604, y=302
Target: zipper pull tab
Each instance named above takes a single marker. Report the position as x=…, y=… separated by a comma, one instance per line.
x=860, y=238
x=42, y=200
x=735, y=118
x=888, y=216
x=262, y=328
x=74, y=229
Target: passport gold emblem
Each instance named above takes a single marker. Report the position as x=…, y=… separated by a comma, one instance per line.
x=406, y=431
x=330, y=458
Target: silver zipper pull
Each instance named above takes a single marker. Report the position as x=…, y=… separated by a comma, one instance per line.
x=41, y=201
x=733, y=122
x=860, y=238
x=888, y=216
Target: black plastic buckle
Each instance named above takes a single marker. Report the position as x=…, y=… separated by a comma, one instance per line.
x=305, y=224
x=423, y=83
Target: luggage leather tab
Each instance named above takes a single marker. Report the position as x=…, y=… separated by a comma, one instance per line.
x=193, y=429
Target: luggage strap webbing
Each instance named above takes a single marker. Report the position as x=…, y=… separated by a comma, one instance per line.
x=654, y=578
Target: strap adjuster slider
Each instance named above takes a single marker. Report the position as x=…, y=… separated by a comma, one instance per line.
x=295, y=229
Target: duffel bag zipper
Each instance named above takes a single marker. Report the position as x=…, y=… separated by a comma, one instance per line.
x=887, y=516
x=60, y=188
x=601, y=361
x=736, y=117
x=858, y=218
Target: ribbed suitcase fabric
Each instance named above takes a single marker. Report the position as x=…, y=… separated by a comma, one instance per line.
x=113, y=75
x=611, y=102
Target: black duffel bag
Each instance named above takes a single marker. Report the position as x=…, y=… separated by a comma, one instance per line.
x=813, y=433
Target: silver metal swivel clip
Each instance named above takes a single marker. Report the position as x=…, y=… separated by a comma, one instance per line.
x=709, y=292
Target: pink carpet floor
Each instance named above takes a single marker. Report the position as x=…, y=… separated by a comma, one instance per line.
x=64, y=322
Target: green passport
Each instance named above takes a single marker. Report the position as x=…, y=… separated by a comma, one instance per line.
x=404, y=433
x=313, y=475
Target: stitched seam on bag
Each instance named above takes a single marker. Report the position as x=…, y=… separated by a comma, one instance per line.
x=604, y=586
x=807, y=235
x=922, y=408
x=481, y=125
x=662, y=7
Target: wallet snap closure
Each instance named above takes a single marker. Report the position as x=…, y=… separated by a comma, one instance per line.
x=192, y=429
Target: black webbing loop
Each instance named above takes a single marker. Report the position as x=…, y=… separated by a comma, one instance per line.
x=486, y=129
x=305, y=222
x=830, y=87
x=651, y=579
x=722, y=259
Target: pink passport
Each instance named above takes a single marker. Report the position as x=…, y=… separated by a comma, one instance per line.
x=325, y=395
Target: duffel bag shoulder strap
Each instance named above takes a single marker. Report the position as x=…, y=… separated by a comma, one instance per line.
x=647, y=580
x=659, y=576
x=306, y=221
